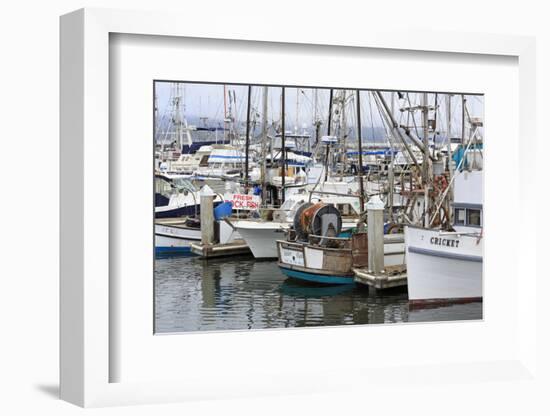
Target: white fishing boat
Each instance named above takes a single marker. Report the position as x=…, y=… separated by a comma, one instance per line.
x=447, y=265
x=295, y=169
x=224, y=161
x=177, y=197
x=262, y=235
x=175, y=235
x=189, y=162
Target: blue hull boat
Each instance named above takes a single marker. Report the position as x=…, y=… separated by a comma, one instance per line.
x=318, y=278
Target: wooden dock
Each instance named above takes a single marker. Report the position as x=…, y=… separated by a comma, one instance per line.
x=391, y=276
x=208, y=251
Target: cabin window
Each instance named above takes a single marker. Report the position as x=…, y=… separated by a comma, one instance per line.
x=204, y=160
x=460, y=216
x=468, y=216
x=474, y=217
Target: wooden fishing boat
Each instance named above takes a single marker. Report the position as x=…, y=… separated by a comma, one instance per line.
x=313, y=251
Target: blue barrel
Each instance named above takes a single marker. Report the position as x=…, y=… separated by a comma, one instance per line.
x=223, y=210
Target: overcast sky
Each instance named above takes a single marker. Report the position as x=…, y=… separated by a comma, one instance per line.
x=207, y=100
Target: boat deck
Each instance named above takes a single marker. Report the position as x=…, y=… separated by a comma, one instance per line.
x=179, y=222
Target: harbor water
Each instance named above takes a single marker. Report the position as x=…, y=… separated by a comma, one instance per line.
x=192, y=294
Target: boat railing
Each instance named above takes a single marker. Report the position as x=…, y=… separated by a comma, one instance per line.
x=334, y=193
x=329, y=238
x=274, y=209
x=458, y=233
x=330, y=242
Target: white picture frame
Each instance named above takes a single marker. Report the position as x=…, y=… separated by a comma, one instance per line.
x=86, y=355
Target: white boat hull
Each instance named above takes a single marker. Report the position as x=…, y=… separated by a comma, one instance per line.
x=262, y=236
x=443, y=266
x=171, y=239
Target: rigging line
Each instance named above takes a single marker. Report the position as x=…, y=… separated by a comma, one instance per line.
x=306, y=98
x=388, y=119
x=413, y=115
x=435, y=123
x=474, y=134
x=387, y=129
x=388, y=135
x=477, y=98
x=369, y=96
x=438, y=116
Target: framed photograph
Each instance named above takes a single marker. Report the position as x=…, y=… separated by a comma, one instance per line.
x=287, y=244
x=291, y=212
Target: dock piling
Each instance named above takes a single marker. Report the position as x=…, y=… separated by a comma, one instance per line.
x=207, y=215
x=375, y=234
x=377, y=276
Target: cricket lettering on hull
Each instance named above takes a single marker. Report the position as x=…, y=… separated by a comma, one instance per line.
x=447, y=242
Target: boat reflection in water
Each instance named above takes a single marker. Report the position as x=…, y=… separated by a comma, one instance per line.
x=240, y=293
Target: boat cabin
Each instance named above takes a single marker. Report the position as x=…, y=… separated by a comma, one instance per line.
x=468, y=200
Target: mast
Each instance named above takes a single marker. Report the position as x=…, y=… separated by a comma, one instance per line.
x=264, y=141
x=316, y=121
x=315, y=103
x=425, y=159
x=184, y=119
x=329, y=111
x=177, y=115
x=449, y=159
x=360, y=149
x=283, y=145
x=391, y=184
x=231, y=119
x=327, y=150
x=156, y=124
x=343, y=130
x=449, y=132
x=435, y=123
x=296, y=126
x=391, y=178
x=224, y=112
x=247, y=139
x=463, y=119
x=155, y=110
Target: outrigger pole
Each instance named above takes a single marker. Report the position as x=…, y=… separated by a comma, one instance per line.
x=395, y=128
